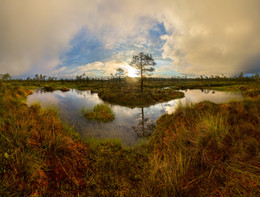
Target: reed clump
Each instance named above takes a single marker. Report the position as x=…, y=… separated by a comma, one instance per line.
x=100, y=113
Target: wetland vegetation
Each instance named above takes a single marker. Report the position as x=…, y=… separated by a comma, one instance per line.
x=134, y=98
x=205, y=149
x=100, y=113
x=122, y=98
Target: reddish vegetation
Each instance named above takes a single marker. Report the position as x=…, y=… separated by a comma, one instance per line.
x=203, y=150
x=42, y=153
x=41, y=156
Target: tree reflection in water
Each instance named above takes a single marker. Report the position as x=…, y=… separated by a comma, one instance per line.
x=145, y=126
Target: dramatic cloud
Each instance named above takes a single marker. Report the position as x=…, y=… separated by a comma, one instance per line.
x=35, y=33
x=201, y=37
x=213, y=37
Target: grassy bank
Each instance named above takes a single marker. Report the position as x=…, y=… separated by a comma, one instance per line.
x=207, y=150
x=202, y=150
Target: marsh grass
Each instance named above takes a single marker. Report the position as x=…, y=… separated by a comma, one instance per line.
x=205, y=149
x=208, y=150
x=100, y=113
x=40, y=156
x=35, y=151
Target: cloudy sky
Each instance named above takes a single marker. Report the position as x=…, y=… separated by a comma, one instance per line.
x=185, y=37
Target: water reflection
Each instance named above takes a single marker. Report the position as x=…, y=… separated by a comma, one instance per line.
x=206, y=91
x=130, y=124
x=145, y=126
x=196, y=96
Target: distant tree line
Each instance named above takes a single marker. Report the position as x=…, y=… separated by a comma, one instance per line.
x=121, y=75
x=144, y=64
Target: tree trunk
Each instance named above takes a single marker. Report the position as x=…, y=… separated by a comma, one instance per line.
x=141, y=75
x=142, y=120
x=142, y=82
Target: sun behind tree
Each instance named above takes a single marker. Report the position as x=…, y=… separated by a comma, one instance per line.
x=143, y=63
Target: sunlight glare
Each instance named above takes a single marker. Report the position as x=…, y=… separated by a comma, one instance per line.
x=131, y=72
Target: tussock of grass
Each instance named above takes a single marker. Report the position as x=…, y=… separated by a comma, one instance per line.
x=207, y=150
x=100, y=113
x=49, y=88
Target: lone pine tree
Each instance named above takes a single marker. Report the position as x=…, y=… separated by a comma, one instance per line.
x=144, y=64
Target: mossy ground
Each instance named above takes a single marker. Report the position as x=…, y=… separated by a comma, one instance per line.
x=202, y=150
x=134, y=98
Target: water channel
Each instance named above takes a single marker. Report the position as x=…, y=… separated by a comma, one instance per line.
x=130, y=124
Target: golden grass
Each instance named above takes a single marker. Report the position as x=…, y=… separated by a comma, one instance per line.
x=201, y=150
x=207, y=150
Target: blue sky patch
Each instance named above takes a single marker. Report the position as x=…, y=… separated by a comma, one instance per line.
x=87, y=48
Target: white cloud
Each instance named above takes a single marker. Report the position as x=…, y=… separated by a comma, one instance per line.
x=37, y=32
x=94, y=69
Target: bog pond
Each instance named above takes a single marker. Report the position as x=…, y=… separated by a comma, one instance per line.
x=131, y=124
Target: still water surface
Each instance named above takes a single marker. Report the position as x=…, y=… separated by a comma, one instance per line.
x=130, y=125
